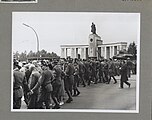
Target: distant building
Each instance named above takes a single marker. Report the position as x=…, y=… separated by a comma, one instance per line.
x=94, y=49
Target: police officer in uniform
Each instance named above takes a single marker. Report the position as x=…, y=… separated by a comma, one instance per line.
x=124, y=77
x=34, y=77
x=69, y=80
x=76, y=77
x=18, y=83
x=106, y=70
x=101, y=70
x=81, y=72
x=111, y=71
x=56, y=84
x=46, y=87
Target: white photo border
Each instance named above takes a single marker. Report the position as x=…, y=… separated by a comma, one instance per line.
x=87, y=110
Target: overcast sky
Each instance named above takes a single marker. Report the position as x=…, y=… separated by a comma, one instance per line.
x=55, y=29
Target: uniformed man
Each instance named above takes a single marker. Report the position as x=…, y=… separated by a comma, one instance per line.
x=124, y=77
x=101, y=70
x=81, y=72
x=129, y=65
x=87, y=71
x=33, y=80
x=69, y=80
x=27, y=76
x=106, y=70
x=111, y=71
x=76, y=77
x=46, y=88
x=94, y=71
x=18, y=83
x=56, y=84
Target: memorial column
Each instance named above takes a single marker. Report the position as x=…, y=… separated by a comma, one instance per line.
x=62, y=52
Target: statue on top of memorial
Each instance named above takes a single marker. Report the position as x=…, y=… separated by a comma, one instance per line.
x=93, y=28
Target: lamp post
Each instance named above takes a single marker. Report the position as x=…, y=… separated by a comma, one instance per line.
x=36, y=36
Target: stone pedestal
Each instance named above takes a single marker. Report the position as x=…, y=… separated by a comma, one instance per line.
x=94, y=41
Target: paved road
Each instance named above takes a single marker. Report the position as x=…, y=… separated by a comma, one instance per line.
x=104, y=96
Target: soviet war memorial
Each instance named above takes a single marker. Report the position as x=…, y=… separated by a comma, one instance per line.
x=81, y=62
x=95, y=48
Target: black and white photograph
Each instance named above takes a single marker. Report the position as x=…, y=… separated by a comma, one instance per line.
x=75, y=62
x=18, y=1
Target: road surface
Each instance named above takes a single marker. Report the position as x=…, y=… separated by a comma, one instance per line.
x=104, y=97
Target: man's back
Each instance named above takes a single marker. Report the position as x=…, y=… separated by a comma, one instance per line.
x=34, y=79
x=70, y=69
x=46, y=77
x=18, y=79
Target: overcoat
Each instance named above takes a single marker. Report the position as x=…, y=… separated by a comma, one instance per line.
x=18, y=82
x=32, y=99
x=124, y=76
x=34, y=77
x=111, y=69
x=44, y=81
x=69, y=78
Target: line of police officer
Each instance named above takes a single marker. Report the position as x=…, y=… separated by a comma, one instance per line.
x=48, y=81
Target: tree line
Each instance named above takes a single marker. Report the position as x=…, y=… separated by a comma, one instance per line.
x=23, y=56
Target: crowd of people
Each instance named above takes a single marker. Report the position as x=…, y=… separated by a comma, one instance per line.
x=44, y=84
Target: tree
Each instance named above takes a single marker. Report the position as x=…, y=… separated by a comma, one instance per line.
x=23, y=56
x=31, y=54
x=16, y=55
x=132, y=49
x=43, y=53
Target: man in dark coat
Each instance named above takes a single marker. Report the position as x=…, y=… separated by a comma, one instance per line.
x=69, y=80
x=76, y=77
x=101, y=70
x=56, y=84
x=111, y=71
x=27, y=76
x=124, y=77
x=87, y=71
x=106, y=70
x=129, y=65
x=81, y=72
x=93, y=69
x=18, y=83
